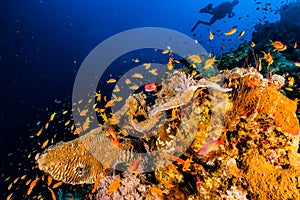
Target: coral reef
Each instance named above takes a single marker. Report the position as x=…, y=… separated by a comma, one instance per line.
x=130, y=188
x=244, y=138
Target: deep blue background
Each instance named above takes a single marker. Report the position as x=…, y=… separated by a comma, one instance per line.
x=43, y=42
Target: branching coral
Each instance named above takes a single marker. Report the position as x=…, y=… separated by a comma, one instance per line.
x=130, y=188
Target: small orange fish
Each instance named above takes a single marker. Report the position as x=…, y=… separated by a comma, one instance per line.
x=98, y=95
x=297, y=64
x=23, y=177
x=9, y=197
x=56, y=185
x=86, y=124
x=210, y=146
x=136, y=60
x=252, y=44
x=177, y=159
x=49, y=180
x=67, y=122
x=114, y=136
x=241, y=34
x=173, y=168
x=96, y=184
x=165, y=51
x=230, y=32
x=211, y=35
x=116, y=89
x=170, y=65
x=27, y=182
x=150, y=87
x=295, y=45
x=153, y=71
x=112, y=80
x=78, y=131
x=291, y=81
x=147, y=65
x=157, y=191
x=167, y=184
x=128, y=81
x=134, y=87
x=137, y=75
x=83, y=112
x=278, y=45
x=109, y=103
x=31, y=186
x=133, y=167
x=195, y=58
x=45, y=144
x=52, y=194
x=40, y=132
x=114, y=186
x=187, y=164
x=209, y=63
x=52, y=116
x=268, y=58
x=104, y=117
x=9, y=186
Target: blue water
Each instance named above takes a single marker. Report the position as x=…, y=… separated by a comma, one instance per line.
x=43, y=43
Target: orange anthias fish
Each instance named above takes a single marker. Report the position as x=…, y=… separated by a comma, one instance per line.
x=210, y=146
x=31, y=186
x=52, y=193
x=278, y=46
x=114, y=136
x=150, y=87
x=230, y=32
x=56, y=185
x=157, y=191
x=241, y=34
x=297, y=64
x=210, y=63
x=295, y=45
x=114, y=186
x=170, y=64
x=187, y=164
x=195, y=58
x=252, y=44
x=211, y=35
x=133, y=167
x=268, y=58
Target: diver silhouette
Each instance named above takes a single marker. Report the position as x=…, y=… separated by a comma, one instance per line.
x=218, y=12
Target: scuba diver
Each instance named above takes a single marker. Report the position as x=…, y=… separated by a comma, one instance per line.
x=218, y=12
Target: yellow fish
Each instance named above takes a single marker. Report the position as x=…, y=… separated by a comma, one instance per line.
x=195, y=58
x=211, y=35
x=230, y=32
x=56, y=185
x=241, y=34
x=147, y=65
x=40, y=132
x=153, y=71
x=116, y=89
x=112, y=80
x=209, y=63
x=134, y=87
x=114, y=186
x=127, y=81
x=137, y=75
x=165, y=51
x=45, y=144
x=52, y=116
